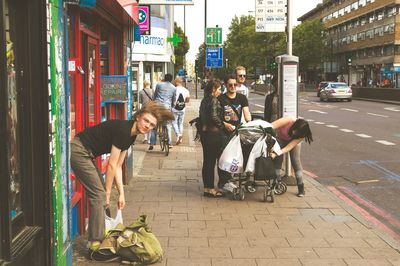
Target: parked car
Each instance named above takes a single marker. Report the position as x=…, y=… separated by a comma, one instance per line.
x=336, y=91
x=320, y=86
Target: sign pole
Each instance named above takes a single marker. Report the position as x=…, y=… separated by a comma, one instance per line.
x=289, y=28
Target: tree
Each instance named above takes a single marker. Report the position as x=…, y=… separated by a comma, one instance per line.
x=309, y=45
x=181, y=48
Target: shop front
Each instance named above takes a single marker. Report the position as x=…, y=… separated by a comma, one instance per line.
x=99, y=46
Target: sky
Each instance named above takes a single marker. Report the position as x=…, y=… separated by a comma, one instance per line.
x=221, y=12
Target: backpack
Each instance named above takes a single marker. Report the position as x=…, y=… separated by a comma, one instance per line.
x=180, y=103
x=134, y=243
x=138, y=244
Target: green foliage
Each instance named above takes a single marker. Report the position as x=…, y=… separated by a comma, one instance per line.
x=181, y=49
x=309, y=44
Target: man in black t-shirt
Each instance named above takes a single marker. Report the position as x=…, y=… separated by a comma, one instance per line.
x=113, y=137
x=235, y=105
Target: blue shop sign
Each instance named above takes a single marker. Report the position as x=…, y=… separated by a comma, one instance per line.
x=397, y=69
x=386, y=70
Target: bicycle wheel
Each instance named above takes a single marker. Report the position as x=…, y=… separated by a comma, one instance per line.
x=165, y=140
x=161, y=139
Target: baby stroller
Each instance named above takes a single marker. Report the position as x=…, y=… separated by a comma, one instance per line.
x=247, y=181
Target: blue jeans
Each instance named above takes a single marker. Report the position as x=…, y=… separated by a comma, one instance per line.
x=177, y=124
x=153, y=135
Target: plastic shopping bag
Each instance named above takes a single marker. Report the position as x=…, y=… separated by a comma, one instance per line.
x=231, y=159
x=111, y=223
x=258, y=148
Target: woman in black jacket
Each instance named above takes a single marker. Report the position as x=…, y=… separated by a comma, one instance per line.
x=211, y=119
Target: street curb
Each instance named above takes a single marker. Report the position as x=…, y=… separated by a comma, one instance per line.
x=384, y=236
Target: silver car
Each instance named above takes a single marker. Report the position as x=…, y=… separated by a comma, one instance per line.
x=336, y=91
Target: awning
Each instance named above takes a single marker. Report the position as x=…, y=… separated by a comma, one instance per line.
x=132, y=8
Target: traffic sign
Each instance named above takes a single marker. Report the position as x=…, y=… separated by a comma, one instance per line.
x=214, y=57
x=214, y=36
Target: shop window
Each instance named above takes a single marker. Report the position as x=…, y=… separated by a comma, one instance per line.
x=13, y=114
x=104, y=52
x=87, y=21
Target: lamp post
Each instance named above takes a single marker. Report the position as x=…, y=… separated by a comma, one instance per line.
x=226, y=63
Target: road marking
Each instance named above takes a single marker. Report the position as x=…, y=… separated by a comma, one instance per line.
x=363, y=136
x=387, y=216
x=367, y=181
x=319, y=123
x=384, y=142
x=363, y=212
x=378, y=115
x=331, y=126
x=258, y=105
x=350, y=110
x=317, y=111
x=394, y=109
x=346, y=130
x=310, y=120
x=374, y=165
x=310, y=174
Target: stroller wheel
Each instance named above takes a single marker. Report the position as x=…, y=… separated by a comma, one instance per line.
x=241, y=193
x=250, y=186
x=235, y=194
x=268, y=194
x=280, y=188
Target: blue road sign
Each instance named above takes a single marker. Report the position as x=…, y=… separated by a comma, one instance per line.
x=214, y=57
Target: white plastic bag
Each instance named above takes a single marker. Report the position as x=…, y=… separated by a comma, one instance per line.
x=111, y=223
x=231, y=159
x=258, y=148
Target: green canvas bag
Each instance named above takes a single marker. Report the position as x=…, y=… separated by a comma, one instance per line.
x=138, y=244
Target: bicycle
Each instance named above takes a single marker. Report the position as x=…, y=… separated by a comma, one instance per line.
x=163, y=137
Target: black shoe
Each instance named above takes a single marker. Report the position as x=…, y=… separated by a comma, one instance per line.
x=301, y=192
x=102, y=255
x=151, y=147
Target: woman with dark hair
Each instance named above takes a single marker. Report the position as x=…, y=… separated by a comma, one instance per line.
x=290, y=133
x=212, y=126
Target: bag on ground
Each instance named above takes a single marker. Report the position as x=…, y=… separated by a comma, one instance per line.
x=180, y=103
x=231, y=159
x=138, y=244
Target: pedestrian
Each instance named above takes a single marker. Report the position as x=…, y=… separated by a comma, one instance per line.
x=145, y=96
x=113, y=137
x=240, y=72
x=235, y=106
x=290, y=133
x=177, y=124
x=165, y=93
x=271, y=110
x=211, y=131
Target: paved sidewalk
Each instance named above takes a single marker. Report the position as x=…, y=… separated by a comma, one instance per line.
x=315, y=230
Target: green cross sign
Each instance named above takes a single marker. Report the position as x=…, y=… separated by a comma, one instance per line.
x=175, y=39
x=214, y=36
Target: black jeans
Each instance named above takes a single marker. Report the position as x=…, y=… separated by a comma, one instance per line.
x=211, y=142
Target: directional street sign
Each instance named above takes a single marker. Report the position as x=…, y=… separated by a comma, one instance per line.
x=214, y=36
x=214, y=57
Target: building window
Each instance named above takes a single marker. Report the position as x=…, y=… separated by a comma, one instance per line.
x=341, y=12
x=361, y=36
x=354, y=6
x=371, y=18
x=392, y=11
x=369, y=34
x=347, y=9
x=362, y=3
x=354, y=38
x=381, y=14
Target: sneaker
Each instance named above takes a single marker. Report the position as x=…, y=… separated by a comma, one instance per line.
x=229, y=187
x=169, y=146
x=301, y=192
x=151, y=147
x=179, y=141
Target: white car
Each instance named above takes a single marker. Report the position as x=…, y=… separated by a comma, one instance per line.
x=336, y=91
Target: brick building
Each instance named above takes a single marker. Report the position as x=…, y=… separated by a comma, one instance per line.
x=363, y=40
